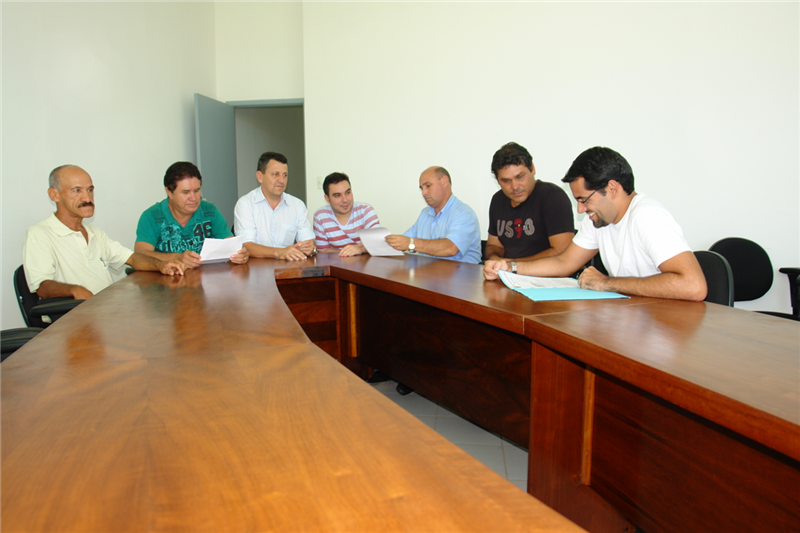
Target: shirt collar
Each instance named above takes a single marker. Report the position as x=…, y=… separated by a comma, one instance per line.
x=262, y=198
x=447, y=206
x=61, y=229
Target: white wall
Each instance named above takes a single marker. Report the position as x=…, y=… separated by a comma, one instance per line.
x=701, y=98
x=107, y=86
x=259, y=50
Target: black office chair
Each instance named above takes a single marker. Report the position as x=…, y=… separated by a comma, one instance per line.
x=753, y=273
x=794, y=288
x=12, y=340
x=33, y=308
x=719, y=277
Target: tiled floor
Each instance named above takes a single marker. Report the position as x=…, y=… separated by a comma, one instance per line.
x=505, y=458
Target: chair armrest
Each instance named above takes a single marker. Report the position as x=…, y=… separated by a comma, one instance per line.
x=794, y=288
x=54, y=307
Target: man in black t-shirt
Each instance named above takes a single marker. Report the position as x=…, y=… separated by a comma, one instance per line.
x=528, y=219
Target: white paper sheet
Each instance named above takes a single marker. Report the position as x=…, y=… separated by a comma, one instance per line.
x=219, y=250
x=518, y=281
x=374, y=240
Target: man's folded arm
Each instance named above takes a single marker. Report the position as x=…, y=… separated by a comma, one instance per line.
x=55, y=289
x=559, y=266
x=681, y=278
x=436, y=247
x=189, y=258
x=145, y=262
x=290, y=253
x=494, y=248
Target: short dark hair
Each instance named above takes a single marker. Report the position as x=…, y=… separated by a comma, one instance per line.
x=333, y=178
x=599, y=165
x=180, y=171
x=266, y=157
x=511, y=154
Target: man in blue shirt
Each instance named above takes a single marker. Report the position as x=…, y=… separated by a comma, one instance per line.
x=447, y=228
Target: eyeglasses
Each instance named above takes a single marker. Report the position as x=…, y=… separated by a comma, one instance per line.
x=587, y=198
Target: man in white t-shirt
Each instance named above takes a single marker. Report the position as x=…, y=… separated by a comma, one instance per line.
x=642, y=246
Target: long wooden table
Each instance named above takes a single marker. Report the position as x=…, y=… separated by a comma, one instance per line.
x=199, y=404
x=623, y=403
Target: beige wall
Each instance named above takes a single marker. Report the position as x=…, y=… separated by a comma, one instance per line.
x=259, y=50
x=107, y=86
x=702, y=98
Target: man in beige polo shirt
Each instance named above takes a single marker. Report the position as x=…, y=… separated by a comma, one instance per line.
x=65, y=256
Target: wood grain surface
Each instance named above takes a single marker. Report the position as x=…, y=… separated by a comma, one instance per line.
x=201, y=404
x=690, y=422
x=198, y=404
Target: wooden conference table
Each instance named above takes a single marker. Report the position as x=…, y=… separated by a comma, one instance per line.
x=207, y=403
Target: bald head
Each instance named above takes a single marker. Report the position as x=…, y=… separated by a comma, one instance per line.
x=434, y=183
x=56, y=173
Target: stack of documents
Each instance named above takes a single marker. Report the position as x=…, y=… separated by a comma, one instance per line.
x=552, y=289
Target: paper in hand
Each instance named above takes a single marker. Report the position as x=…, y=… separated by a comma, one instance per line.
x=374, y=240
x=219, y=250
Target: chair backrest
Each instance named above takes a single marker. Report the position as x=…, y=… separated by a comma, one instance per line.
x=26, y=299
x=719, y=277
x=751, y=267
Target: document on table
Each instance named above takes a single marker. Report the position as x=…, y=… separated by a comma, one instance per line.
x=552, y=289
x=374, y=240
x=219, y=250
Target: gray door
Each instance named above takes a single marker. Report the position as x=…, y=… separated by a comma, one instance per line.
x=215, y=132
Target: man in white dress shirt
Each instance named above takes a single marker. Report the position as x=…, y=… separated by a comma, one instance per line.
x=273, y=223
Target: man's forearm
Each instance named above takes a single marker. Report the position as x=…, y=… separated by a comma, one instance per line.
x=55, y=289
x=290, y=253
x=436, y=247
x=548, y=267
x=259, y=250
x=665, y=285
x=141, y=261
x=161, y=256
x=494, y=252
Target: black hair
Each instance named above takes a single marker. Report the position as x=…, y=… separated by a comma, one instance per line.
x=180, y=171
x=511, y=154
x=266, y=157
x=333, y=178
x=599, y=165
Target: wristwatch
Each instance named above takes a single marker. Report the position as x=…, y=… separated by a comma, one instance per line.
x=411, y=245
x=514, y=267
